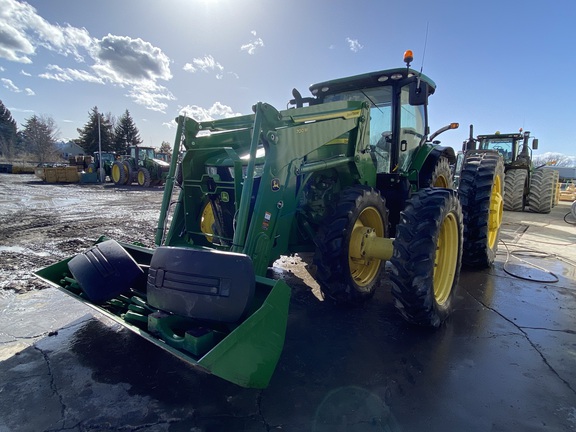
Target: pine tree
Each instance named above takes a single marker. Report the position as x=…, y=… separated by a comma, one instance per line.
x=126, y=134
x=39, y=138
x=89, y=137
x=8, y=132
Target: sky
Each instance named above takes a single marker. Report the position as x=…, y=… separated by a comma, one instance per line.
x=493, y=61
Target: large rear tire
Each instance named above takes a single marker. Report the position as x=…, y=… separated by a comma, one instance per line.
x=514, y=186
x=119, y=173
x=343, y=278
x=425, y=266
x=129, y=172
x=541, y=191
x=481, y=192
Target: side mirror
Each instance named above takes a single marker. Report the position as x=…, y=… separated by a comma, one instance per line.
x=535, y=144
x=418, y=93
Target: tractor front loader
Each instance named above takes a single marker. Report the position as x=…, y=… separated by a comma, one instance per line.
x=347, y=174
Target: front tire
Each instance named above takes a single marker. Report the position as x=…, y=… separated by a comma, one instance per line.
x=144, y=177
x=343, y=278
x=425, y=266
x=481, y=191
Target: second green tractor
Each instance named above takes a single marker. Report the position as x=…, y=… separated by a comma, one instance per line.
x=142, y=166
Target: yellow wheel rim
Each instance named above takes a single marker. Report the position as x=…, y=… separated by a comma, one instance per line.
x=141, y=178
x=441, y=182
x=115, y=173
x=206, y=221
x=363, y=270
x=496, y=212
x=446, y=259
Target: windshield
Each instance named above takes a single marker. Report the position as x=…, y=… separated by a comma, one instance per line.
x=504, y=146
x=380, y=102
x=109, y=157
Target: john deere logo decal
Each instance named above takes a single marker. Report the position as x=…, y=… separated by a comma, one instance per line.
x=275, y=184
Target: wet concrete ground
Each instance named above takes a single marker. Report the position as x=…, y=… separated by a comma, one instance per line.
x=504, y=361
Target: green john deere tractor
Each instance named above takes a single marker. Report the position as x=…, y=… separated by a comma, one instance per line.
x=347, y=173
x=141, y=166
x=103, y=169
x=525, y=185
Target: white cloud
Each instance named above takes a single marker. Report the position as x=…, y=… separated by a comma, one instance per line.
x=7, y=83
x=206, y=64
x=154, y=97
x=67, y=74
x=118, y=60
x=124, y=60
x=217, y=111
x=253, y=45
x=23, y=72
x=354, y=45
x=22, y=30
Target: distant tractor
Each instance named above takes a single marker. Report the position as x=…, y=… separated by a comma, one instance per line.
x=140, y=166
x=102, y=169
x=524, y=185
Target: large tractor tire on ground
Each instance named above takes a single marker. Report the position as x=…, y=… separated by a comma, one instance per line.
x=425, y=266
x=343, y=277
x=541, y=193
x=143, y=177
x=119, y=173
x=514, y=185
x=481, y=192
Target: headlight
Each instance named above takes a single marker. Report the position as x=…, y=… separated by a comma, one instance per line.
x=211, y=170
x=258, y=170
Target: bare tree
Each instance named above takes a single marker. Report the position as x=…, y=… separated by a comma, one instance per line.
x=39, y=138
x=554, y=159
x=165, y=147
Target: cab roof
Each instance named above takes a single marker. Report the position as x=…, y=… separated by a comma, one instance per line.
x=368, y=80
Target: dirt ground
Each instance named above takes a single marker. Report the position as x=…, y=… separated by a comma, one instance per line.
x=43, y=223
x=504, y=361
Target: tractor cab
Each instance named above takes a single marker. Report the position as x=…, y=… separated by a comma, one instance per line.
x=141, y=153
x=514, y=147
x=398, y=101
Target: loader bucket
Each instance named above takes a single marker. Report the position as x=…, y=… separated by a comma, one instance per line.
x=244, y=352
